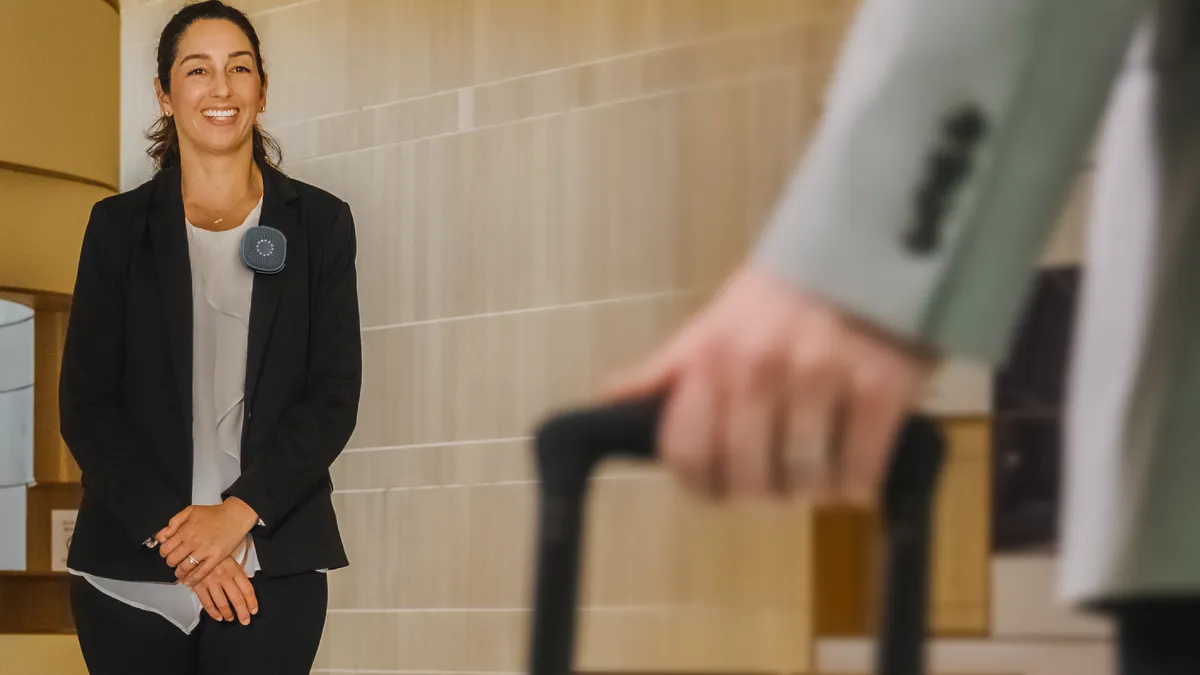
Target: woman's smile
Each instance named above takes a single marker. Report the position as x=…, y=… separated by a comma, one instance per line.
x=220, y=116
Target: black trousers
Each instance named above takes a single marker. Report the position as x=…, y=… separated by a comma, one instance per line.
x=282, y=639
x=1157, y=636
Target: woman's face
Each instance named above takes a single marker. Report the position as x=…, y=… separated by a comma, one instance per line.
x=216, y=92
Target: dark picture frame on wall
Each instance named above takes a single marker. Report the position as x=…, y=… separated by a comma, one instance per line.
x=1028, y=397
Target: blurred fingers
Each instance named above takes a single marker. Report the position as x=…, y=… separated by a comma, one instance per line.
x=877, y=408
x=689, y=432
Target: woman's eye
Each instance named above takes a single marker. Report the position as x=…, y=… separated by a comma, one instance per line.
x=196, y=71
x=241, y=69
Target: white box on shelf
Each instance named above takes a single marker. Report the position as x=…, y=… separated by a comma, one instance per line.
x=62, y=526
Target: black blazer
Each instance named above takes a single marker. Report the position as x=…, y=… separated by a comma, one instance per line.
x=125, y=393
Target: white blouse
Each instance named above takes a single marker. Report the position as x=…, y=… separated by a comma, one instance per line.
x=221, y=290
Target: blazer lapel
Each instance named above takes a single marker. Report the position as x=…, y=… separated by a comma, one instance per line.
x=168, y=238
x=278, y=212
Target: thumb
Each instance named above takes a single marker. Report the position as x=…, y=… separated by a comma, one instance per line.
x=176, y=522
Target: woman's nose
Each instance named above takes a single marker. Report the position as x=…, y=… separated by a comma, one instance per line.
x=221, y=84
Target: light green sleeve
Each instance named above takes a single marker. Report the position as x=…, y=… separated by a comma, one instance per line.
x=953, y=130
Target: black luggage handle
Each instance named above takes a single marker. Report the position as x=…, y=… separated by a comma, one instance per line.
x=571, y=444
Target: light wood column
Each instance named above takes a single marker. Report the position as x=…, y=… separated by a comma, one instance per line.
x=52, y=462
x=55, y=164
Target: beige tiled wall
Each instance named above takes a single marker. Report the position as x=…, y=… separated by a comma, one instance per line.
x=542, y=189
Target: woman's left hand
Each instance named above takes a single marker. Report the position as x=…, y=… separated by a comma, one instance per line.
x=205, y=534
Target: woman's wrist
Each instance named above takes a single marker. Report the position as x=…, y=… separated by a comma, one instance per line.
x=247, y=516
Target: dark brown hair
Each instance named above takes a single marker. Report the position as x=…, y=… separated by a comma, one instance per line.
x=164, y=148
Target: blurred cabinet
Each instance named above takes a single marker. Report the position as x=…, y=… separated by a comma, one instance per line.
x=962, y=548
x=846, y=555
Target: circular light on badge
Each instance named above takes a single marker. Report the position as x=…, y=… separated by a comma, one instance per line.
x=264, y=249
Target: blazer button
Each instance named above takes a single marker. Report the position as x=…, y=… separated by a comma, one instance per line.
x=946, y=167
x=965, y=125
x=924, y=237
x=945, y=170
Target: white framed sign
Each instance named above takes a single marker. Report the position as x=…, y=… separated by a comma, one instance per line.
x=62, y=526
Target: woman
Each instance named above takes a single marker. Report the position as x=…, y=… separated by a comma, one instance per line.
x=203, y=394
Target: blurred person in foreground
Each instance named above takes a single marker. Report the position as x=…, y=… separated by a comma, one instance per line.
x=911, y=232
x=205, y=388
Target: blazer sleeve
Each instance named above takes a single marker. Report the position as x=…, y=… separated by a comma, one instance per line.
x=317, y=428
x=94, y=425
x=953, y=130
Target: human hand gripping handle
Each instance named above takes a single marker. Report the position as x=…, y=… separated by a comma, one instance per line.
x=571, y=444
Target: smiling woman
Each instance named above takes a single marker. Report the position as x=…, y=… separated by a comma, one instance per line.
x=221, y=49
x=206, y=524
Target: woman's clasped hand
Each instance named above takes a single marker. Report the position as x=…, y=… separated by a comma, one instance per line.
x=200, y=543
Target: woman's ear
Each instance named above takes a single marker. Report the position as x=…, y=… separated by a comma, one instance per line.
x=164, y=101
x=262, y=96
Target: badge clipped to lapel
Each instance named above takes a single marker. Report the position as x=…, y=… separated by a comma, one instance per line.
x=264, y=249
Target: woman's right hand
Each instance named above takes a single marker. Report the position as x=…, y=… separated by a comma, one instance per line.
x=226, y=591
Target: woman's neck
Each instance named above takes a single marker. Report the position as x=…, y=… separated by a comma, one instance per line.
x=215, y=181
x=220, y=187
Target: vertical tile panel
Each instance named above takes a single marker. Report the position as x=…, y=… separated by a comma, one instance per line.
x=501, y=536
x=428, y=556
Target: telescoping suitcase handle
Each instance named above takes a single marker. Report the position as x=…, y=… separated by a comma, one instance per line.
x=571, y=444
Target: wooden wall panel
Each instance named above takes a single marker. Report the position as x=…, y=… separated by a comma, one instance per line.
x=41, y=655
x=57, y=161
x=60, y=114
x=58, y=155
x=846, y=549
x=34, y=604
x=52, y=461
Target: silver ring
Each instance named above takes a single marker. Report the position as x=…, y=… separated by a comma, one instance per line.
x=194, y=561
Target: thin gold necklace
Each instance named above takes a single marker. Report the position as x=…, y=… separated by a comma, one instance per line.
x=220, y=220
